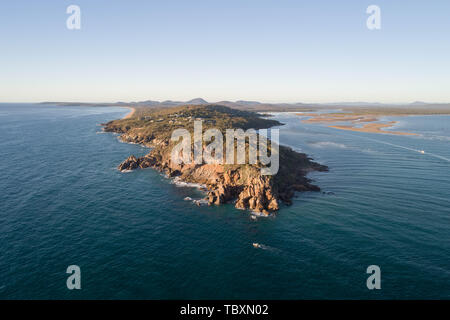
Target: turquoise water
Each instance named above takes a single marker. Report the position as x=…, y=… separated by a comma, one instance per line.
x=63, y=203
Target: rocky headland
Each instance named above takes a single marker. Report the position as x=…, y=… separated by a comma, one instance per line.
x=242, y=184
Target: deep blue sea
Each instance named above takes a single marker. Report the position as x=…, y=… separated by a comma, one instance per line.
x=134, y=237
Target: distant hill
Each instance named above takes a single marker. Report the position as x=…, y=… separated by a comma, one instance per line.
x=197, y=101
x=243, y=102
x=267, y=107
x=418, y=103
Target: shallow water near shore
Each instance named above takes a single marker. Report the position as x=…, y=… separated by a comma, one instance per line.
x=135, y=237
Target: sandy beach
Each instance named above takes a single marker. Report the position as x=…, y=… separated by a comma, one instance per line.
x=374, y=128
x=323, y=118
x=369, y=120
x=131, y=113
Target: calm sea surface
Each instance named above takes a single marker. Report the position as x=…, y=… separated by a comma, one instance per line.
x=63, y=202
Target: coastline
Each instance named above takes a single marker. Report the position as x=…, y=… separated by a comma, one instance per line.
x=243, y=185
x=375, y=128
x=370, y=126
x=131, y=113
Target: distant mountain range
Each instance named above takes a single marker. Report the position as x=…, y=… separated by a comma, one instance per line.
x=259, y=106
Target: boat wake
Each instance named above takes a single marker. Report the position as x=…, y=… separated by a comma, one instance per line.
x=411, y=149
x=260, y=246
x=257, y=245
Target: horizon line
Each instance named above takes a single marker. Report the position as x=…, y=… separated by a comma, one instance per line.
x=231, y=101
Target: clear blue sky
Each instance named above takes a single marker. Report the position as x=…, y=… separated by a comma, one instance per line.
x=266, y=50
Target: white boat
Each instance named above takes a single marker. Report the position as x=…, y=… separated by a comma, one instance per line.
x=256, y=245
x=422, y=151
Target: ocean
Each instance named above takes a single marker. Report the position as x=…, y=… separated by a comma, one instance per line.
x=63, y=202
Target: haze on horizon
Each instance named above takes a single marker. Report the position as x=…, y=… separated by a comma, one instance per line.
x=284, y=51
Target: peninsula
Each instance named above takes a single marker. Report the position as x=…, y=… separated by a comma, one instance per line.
x=242, y=184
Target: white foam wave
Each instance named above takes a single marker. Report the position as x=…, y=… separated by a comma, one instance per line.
x=258, y=214
x=176, y=181
x=200, y=202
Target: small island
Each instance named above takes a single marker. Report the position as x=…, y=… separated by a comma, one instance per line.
x=242, y=184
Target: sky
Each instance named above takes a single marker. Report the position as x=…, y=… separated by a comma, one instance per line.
x=266, y=50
